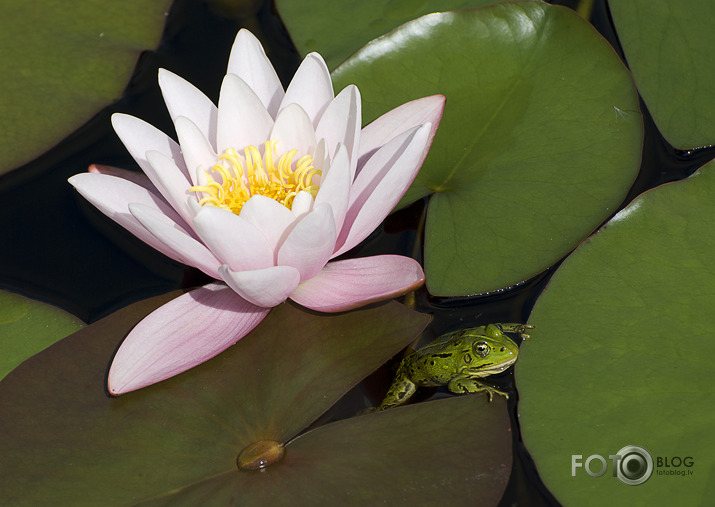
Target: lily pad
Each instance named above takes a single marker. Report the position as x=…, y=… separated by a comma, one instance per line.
x=65, y=61
x=623, y=351
x=539, y=143
x=27, y=327
x=343, y=27
x=669, y=48
x=64, y=442
x=394, y=457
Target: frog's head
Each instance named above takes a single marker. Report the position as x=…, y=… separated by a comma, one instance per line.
x=492, y=352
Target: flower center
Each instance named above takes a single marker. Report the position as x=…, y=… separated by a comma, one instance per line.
x=236, y=178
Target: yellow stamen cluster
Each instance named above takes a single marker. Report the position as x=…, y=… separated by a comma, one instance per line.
x=235, y=178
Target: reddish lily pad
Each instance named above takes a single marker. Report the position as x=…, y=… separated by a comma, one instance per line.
x=393, y=457
x=64, y=442
x=539, y=142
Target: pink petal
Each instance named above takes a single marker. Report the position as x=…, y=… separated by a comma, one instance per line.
x=242, y=118
x=182, y=334
x=340, y=124
x=198, y=153
x=293, y=129
x=395, y=122
x=343, y=285
x=380, y=185
x=309, y=244
x=176, y=238
x=139, y=137
x=263, y=287
x=248, y=61
x=184, y=99
x=335, y=187
x=111, y=195
x=270, y=217
x=233, y=239
x=311, y=88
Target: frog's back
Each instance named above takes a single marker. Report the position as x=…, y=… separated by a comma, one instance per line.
x=452, y=340
x=437, y=363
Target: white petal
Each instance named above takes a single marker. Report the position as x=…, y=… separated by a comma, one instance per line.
x=184, y=99
x=412, y=142
x=164, y=174
x=321, y=159
x=263, y=287
x=340, y=124
x=311, y=87
x=137, y=177
x=194, y=206
x=293, y=130
x=199, y=155
x=381, y=184
x=112, y=195
x=234, y=240
x=335, y=188
x=270, y=217
x=302, y=203
x=242, y=118
x=399, y=120
x=139, y=137
x=248, y=61
x=309, y=244
x=178, y=239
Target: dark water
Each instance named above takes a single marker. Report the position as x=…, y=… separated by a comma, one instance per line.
x=59, y=249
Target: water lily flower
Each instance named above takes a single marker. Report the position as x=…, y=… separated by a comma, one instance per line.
x=260, y=193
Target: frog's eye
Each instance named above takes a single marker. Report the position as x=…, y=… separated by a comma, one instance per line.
x=481, y=349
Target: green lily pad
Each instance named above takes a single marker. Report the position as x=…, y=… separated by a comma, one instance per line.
x=27, y=327
x=622, y=353
x=66, y=60
x=669, y=48
x=539, y=143
x=64, y=442
x=343, y=27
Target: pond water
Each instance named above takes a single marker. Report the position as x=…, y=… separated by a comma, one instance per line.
x=62, y=246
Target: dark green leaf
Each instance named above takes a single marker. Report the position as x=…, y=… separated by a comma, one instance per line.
x=539, y=143
x=669, y=48
x=342, y=28
x=64, y=61
x=623, y=350
x=27, y=327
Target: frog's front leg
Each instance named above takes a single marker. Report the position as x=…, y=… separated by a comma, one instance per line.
x=518, y=329
x=400, y=391
x=464, y=384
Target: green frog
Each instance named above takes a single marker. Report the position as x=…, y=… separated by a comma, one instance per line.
x=457, y=360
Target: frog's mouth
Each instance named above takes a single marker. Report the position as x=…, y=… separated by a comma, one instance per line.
x=487, y=369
